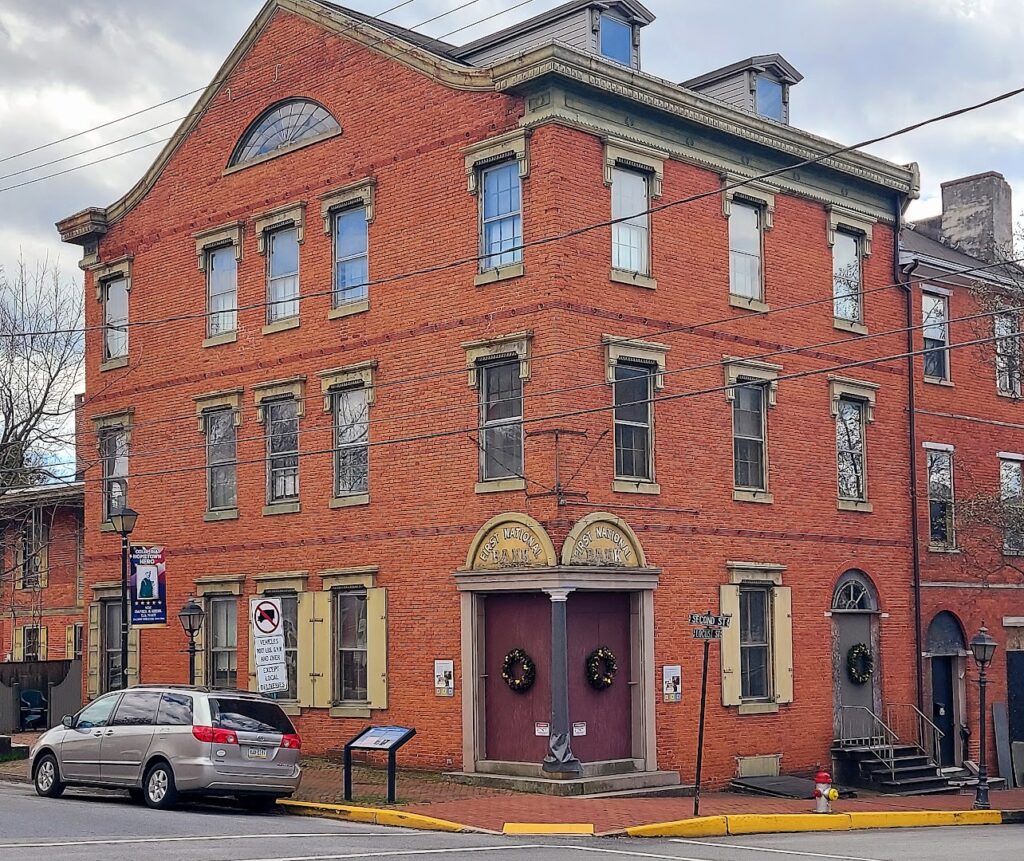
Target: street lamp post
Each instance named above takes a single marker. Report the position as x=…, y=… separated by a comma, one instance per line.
x=123, y=522
x=984, y=647
x=191, y=617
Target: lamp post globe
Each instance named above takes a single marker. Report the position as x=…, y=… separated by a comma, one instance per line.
x=983, y=647
x=191, y=617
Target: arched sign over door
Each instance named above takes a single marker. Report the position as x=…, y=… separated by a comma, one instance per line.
x=602, y=539
x=511, y=540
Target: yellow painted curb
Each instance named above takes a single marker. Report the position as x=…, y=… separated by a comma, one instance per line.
x=703, y=826
x=925, y=818
x=373, y=816
x=543, y=828
x=755, y=823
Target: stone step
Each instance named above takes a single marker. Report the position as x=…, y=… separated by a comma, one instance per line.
x=913, y=785
x=681, y=791
x=639, y=780
x=904, y=773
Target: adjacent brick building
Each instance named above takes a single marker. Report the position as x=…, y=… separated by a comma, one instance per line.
x=374, y=364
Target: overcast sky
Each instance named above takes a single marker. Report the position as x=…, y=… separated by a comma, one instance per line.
x=869, y=67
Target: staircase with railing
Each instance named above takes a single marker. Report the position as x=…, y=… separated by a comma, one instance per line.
x=896, y=756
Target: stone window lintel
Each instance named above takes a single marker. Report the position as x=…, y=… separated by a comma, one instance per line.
x=122, y=419
x=215, y=400
x=761, y=572
x=840, y=218
x=220, y=584
x=859, y=390
x=757, y=193
x=292, y=387
x=634, y=349
x=232, y=234
x=492, y=150
x=357, y=193
x=736, y=367
x=364, y=576
x=518, y=345
x=623, y=153
x=120, y=268
x=281, y=580
x=290, y=214
x=361, y=374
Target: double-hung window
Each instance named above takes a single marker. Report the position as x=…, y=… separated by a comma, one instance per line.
x=351, y=256
x=745, y=250
x=290, y=627
x=1011, y=491
x=222, y=615
x=35, y=546
x=940, y=498
x=633, y=426
x=351, y=643
x=755, y=643
x=848, y=300
x=31, y=647
x=631, y=239
x=501, y=219
x=1007, y=346
x=114, y=453
x=115, y=318
x=501, y=420
x=282, y=421
x=748, y=427
x=850, y=423
x=351, y=441
x=282, y=274
x=221, y=290
x=110, y=637
x=935, y=327
x=221, y=458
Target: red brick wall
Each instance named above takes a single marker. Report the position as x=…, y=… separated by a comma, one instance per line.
x=409, y=134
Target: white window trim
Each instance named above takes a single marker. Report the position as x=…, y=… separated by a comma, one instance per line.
x=291, y=215
x=120, y=268
x=634, y=350
x=511, y=145
x=291, y=387
x=518, y=345
x=736, y=367
x=753, y=193
x=232, y=234
x=633, y=156
x=356, y=194
x=847, y=220
x=858, y=390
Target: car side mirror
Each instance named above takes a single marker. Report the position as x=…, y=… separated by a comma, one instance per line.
x=68, y=721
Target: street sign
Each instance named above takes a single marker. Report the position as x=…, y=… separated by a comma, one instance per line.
x=707, y=620
x=271, y=659
x=707, y=634
x=271, y=679
x=266, y=617
x=707, y=628
x=269, y=651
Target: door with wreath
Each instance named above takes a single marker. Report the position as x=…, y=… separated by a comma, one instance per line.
x=601, y=682
x=855, y=659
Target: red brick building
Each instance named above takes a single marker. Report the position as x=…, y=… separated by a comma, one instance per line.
x=350, y=344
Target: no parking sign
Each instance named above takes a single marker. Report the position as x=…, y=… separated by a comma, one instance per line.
x=266, y=617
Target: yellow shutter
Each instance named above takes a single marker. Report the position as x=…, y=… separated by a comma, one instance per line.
x=377, y=648
x=19, y=644
x=133, y=656
x=201, y=646
x=317, y=642
x=69, y=643
x=304, y=615
x=42, y=642
x=732, y=686
x=782, y=642
x=93, y=653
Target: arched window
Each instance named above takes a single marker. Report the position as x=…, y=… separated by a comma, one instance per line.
x=282, y=125
x=945, y=635
x=855, y=591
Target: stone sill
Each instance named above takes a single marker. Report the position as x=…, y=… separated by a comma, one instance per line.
x=220, y=514
x=761, y=496
x=634, y=279
x=854, y=505
x=849, y=326
x=501, y=273
x=292, y=507
x=625, y=485
x=935, y=381
x=281, y=326
x=348, y=309
x=748, y=304
x=500, y=485
x=758, y=708
x=222, y=338
x=114, y=364
x=941, y=548
x=350, y=501
x=350, y=711
x=107, y=526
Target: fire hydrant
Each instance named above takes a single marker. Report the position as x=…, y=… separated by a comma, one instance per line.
x=824, y=794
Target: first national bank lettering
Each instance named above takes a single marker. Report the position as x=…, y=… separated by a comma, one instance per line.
x=602, y=545
x=510, y=547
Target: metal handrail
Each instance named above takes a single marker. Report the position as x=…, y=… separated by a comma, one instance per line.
x=881, y=741
x=929, y=736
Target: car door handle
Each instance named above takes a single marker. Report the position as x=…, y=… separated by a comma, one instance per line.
x=109, y=732
x=98, y=733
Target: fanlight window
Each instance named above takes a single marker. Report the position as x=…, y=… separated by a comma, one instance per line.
x=854, y=592
x=284, y=124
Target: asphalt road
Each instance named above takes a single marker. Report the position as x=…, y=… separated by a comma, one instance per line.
x=83, y=826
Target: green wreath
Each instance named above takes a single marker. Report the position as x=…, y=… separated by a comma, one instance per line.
x=860, y=664
x=522, y=681
x=601, y=668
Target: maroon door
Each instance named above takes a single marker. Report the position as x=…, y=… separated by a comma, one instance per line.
x=520, y=621
x=600, y=619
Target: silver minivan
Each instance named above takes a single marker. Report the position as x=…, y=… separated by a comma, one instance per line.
x=159, y=741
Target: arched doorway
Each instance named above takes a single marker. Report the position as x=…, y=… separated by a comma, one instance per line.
x=945, y=651
x=855, y=627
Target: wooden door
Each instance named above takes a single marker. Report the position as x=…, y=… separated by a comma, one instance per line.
x=600, y=619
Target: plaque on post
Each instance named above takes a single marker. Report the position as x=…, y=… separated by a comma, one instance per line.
x=383, y=738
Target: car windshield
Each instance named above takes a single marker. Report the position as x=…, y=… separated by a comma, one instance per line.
x=249, y=716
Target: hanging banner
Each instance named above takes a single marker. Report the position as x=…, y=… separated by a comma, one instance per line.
x=148, y=585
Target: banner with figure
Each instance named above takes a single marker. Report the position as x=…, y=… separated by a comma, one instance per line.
x=148, y=585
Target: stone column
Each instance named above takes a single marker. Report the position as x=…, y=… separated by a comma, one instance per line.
x=560, y=758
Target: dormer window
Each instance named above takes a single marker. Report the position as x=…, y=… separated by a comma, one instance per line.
x=616, y=40
x=769, y=98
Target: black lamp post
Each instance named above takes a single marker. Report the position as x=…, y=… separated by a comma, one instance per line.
x=191, y=617
x=124, y=522
x=984, y=647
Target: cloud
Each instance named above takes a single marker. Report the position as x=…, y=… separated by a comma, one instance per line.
x=70, y=66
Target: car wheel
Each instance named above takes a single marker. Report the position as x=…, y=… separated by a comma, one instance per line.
x=47, y=777
x=258, y=803
x=158, y=789
x=137, y=795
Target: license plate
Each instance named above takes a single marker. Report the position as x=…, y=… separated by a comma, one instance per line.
x=258, y=753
